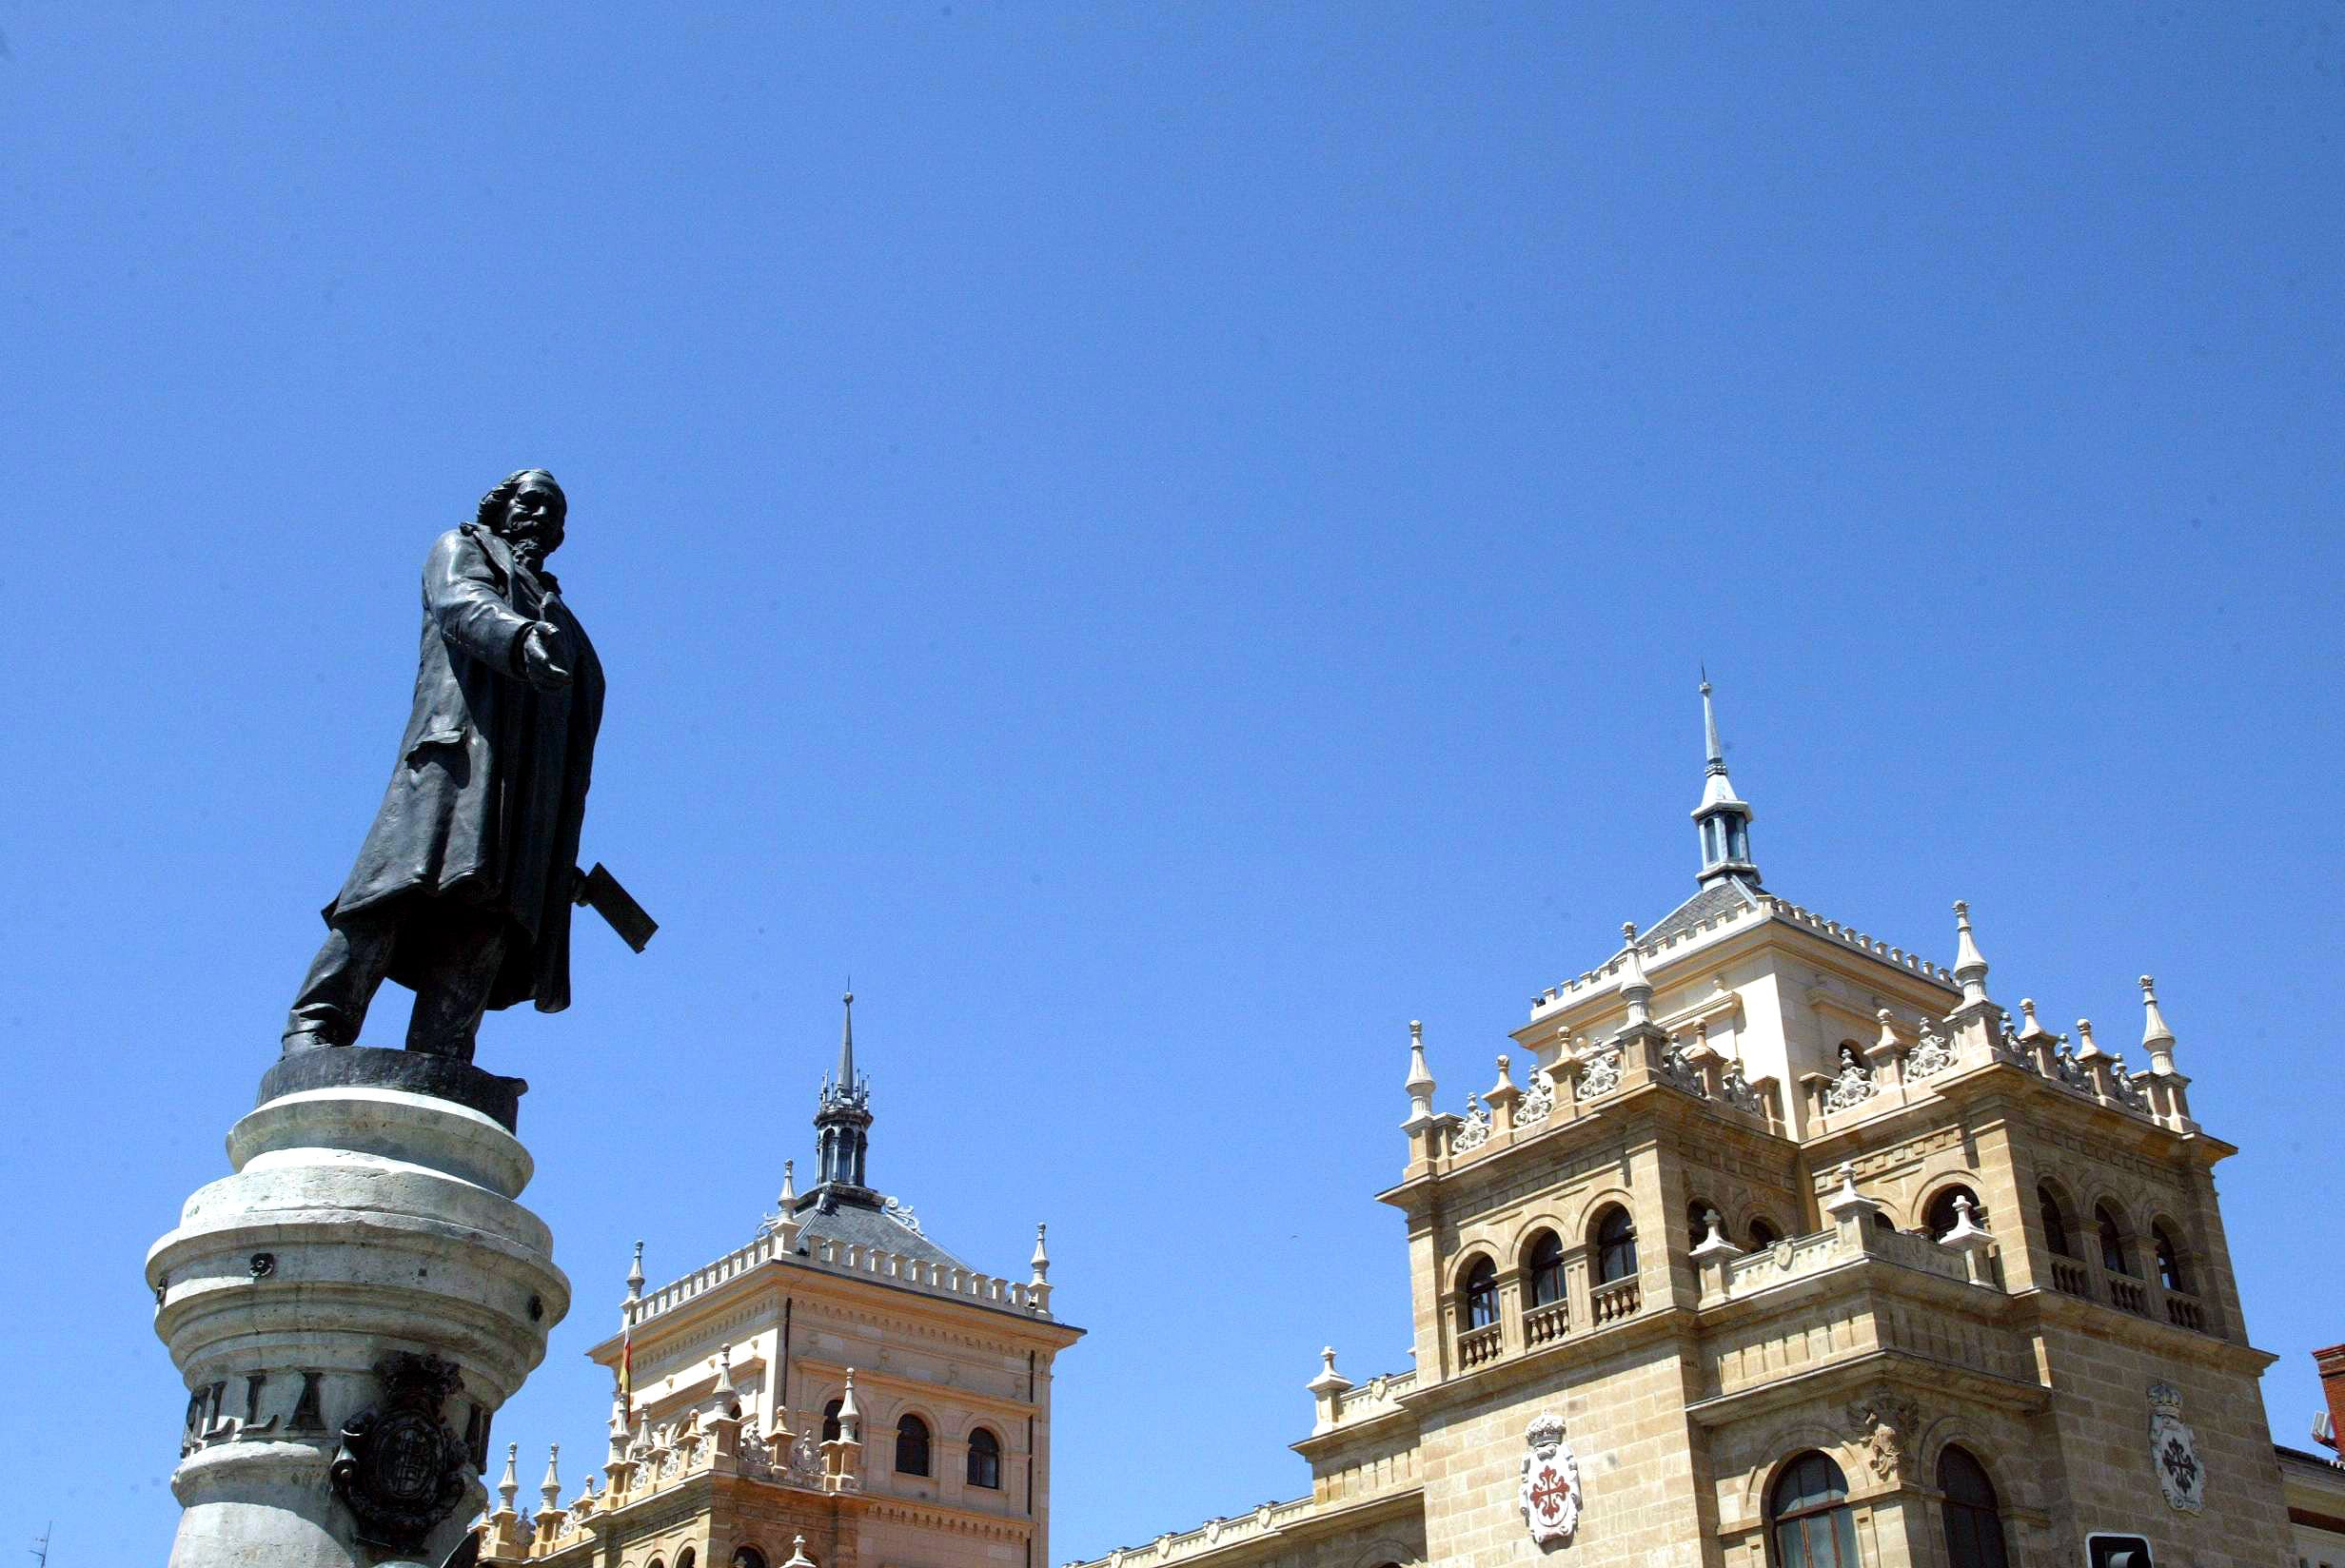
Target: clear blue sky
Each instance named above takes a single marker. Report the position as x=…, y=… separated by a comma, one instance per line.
x=1167, y=541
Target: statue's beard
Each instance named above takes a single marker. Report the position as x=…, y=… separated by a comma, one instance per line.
x=530, y=547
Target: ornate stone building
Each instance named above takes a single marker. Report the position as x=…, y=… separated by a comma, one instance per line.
x=1774, y=1246
x=839, y=1392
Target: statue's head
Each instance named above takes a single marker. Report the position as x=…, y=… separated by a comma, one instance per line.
x=528, y=511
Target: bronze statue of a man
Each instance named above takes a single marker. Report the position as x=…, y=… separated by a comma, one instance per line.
x=465, y=885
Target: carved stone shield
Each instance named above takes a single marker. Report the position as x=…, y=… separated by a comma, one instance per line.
x=2174, y=1451
x=1549, y=1494
x=400, y=1468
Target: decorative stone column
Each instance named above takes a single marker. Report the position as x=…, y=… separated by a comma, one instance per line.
x=349, y=1308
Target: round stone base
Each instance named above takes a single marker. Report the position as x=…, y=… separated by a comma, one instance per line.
x=362, y=1289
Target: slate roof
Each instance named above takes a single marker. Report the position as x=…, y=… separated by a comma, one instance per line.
x=850, y=1222
x=1727, y=896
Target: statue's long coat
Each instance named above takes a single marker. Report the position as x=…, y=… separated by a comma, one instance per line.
x=485, y=802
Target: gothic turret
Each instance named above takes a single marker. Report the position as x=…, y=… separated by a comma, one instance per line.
x=842, y=1115
x=1724, y=817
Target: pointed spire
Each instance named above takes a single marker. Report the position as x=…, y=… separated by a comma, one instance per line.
x=1419, y=1084
x=1634, y=987
x=1724, y=817
x=1043, y=1256
x=842, y=1114
x=789, y=1185
x=1970, y=968
x=2155, y=1037
x=849, y=1416
x=722, y=1396
x=508, y=1485
x=2088, y=1052
x=798, y=1555
x=550, y=1488
x=635, y=1275
x=2032, y=1026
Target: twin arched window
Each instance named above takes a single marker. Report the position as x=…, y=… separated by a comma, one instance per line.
x=1812, y=1526
x=1478, y=1301
x=1545, y=1264
x=1973, y=1523
x=984, y=1460
x=1809, y=1516
x=912, y=1446
x=1616, y=1246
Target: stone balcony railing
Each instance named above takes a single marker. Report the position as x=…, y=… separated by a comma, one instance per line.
x=1379, y=1396
x=1609, y=1304
x=1731, y=1277
x=1546, y=1325
x=1213, y=1536
x=870, y=1262
x=2068, y=1276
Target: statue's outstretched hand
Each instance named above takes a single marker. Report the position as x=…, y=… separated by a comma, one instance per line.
x=537, y=665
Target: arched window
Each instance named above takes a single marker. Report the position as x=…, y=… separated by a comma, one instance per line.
x=1478, y=1302
x=830, y=1421
x=1882, y=1222
x=1546, y=1264
x=1616, y=1246
x=1808, y=1516
x=985, y=1460
x=1974, y=1524
x=912, y=1446
x=687, y=1558
x=2112, y=1254
x=2170, y=1275
x=1939, y=1219
x=748, y=1556
x=1764, y=1235
x=2055, y=1222
x=1698, y=1221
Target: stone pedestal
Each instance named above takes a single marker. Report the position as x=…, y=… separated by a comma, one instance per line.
x=349, y=1309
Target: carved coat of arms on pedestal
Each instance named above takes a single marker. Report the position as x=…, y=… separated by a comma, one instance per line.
x=401, y=1468
x=1550, y=1495
x=2174, y=1451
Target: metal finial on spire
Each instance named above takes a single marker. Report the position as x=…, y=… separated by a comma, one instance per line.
x=1715, y=756
x=1723, y=818
x=846, y=1040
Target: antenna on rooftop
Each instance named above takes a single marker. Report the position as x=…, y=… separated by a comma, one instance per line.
x=40, y=1548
